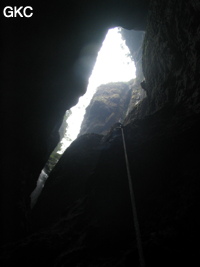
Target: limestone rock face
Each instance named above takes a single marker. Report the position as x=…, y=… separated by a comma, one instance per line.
x=86, y=206
x=108, y=105
x=84, y=152
x=113, y=102
x=46, y=63
x=170, y=52
x=86, y=198
x=134, y=41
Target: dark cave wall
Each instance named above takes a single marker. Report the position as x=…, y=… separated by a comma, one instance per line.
x=44, y=73
x=171, y=49
x=162, y=136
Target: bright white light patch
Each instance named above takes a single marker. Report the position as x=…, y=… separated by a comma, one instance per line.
x=113, y=64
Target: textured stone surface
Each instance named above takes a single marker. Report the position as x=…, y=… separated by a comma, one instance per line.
x=170, y=52
x=134, y=41
x=46, y=63
x=163, y=146
x=108, y=106
x=85, y=212
x=113, y=102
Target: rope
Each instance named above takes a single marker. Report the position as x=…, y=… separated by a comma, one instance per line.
x=132, y=196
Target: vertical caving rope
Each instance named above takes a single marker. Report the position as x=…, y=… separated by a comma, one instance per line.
x=132, y=196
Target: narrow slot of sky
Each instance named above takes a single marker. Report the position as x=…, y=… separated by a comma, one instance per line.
x=113, y=64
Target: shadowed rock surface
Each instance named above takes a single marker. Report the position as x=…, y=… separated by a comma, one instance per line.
x=108, y=105
x=83, y=217
x=134, y=40
x=46, y=62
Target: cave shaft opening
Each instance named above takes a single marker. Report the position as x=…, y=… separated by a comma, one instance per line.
x=113, y=64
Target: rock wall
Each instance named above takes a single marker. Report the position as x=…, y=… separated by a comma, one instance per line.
x=134, y=41
x=46, y=62
x=108, y=106
x=84, y=216
x=162, y=138
x=112, y=102
x=170, y=52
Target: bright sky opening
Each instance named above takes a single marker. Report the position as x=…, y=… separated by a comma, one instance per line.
x=113, y=64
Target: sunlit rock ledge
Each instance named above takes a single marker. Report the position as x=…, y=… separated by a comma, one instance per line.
x=110, y=104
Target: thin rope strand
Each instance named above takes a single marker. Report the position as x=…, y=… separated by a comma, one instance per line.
x=132, y=196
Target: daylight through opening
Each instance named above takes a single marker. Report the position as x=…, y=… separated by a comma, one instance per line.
x=114, y=64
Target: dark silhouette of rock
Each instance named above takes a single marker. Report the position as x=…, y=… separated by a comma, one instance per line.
x=83, y=217
x=108, y=105
x=46, y=62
